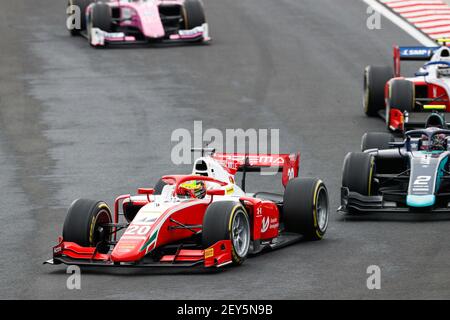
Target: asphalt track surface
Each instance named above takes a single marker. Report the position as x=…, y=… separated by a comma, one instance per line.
x=79, y=122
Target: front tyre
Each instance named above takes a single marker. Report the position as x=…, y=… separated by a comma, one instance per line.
x=376, y=140
x=358, y=173
x=305, y=208
x=402, y=95
x=83, y=224
x=227, y=220
x=193, y=14
x=99, y=17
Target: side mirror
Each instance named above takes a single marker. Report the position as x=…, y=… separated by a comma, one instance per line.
x=215, y=192
x=147, y=191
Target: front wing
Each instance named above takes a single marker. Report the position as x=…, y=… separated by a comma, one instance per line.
x=353, y=202
x=218, y=255
x=99, y=38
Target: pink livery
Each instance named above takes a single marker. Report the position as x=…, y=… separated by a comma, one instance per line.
x=138, y=21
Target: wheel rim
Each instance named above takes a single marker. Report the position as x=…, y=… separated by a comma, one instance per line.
x=100, y=234
x=322, y=209
x=240, y=233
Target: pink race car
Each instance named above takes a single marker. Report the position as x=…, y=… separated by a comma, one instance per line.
x=138, y=21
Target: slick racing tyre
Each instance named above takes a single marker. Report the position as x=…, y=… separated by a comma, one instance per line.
x=227, y=220
x=193, y=14
x=83, y=224
x=402, y=95
x=375, y=79
x=305, y=208
x=376, y=140
x=358, y=172
x=101, y=17
x=82, y=5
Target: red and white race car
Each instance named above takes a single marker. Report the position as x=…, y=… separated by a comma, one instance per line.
x=201, y=219
x=406, y=102
x=138, y=21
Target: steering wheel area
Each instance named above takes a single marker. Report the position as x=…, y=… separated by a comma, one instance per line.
x=431, y=139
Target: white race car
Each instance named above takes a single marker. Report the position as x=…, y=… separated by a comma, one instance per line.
x=406, y=102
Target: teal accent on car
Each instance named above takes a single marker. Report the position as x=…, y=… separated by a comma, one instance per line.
x=420, y=201
x=440, y=173
x=431, y=152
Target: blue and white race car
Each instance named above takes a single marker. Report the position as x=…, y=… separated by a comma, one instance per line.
x=408, y=176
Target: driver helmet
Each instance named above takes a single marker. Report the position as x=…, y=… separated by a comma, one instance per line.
x=445, y=53
x=197, y=187
x=438, y=142
x=435, y=120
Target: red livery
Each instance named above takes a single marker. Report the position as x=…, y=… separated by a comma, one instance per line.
x=200, y=219
x=406, y=102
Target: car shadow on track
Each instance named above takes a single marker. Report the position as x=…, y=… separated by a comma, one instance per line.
x=136, y=271
x=150, y=46
x=396, y=217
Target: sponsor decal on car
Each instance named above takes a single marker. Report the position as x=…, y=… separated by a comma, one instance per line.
x=209, y=253
x=268, y=223
x=229, y=189
x=265, y=224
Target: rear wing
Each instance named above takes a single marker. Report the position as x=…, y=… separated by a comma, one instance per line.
x=287, y=164
x=416, y=53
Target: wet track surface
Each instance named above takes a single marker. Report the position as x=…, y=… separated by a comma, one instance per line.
x=79, y=122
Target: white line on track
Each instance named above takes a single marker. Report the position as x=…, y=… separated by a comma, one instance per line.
x=408, y=28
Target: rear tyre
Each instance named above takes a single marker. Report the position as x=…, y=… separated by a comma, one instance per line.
x=402, y=95
x=227, y=220
x=193, y=14
x=375, y=79
x=82, y=4
x=376, y=140
x=305, y=208
x=83, y=224
x=358, y=172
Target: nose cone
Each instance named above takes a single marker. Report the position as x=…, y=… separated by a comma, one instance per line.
x=141, y=235
x=127, y=251
x=420, y=201
x=135, y=243
x=151, y=24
